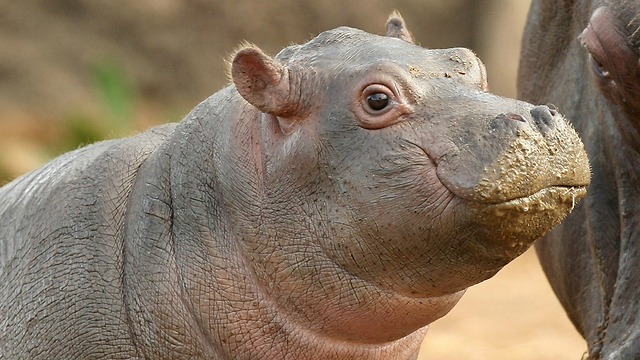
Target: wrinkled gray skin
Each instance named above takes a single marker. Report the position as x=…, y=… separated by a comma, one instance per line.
x=582, y=56
x=285, y=217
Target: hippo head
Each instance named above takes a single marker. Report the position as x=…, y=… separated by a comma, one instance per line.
x=399, y=164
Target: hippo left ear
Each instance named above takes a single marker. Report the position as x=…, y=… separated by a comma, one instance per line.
x=397, y=28
x=263, y=82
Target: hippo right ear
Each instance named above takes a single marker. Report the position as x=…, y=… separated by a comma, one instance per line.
x=263, y=82
x=396, y=27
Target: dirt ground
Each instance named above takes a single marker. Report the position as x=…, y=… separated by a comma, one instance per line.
x=513, y=315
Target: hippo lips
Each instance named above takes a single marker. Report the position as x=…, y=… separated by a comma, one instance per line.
x=542, y=200
x=522, y=220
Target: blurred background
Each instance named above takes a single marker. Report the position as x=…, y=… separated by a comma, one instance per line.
x=77, y=71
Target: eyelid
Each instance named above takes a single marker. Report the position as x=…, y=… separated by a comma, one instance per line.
x=390, y=79
x=394, y=77
x=378, y=88
x=607, y=44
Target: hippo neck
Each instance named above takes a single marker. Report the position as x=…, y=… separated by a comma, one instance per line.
x=617, y=170
x=300, y=328
x=276, y=333
x=237, y=303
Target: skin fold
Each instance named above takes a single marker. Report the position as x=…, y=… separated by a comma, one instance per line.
x=330, y=203
x=582, y=57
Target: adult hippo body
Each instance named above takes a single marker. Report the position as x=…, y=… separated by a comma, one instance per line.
x=329, y=204
x=582, y=56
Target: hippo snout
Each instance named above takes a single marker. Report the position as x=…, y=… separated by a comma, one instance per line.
x=544, y=152
x=519, y=152
x=527, y=168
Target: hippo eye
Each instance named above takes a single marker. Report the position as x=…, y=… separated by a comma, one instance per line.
x=612, y=59
x=379, y=105
x=599, y=67
x=378, y=101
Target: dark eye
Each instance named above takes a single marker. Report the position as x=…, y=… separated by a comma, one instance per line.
x=377, y=101
x=599, y=68
x=380, y=104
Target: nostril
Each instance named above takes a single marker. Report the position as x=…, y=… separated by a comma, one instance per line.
x=509, y=123
x=515, y=117
x=543, y=116
x=542, y=113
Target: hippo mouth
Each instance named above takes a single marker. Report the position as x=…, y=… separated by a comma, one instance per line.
x=523, y=219
x=542, y=200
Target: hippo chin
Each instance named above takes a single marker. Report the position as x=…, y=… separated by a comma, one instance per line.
x=590, y=71
x=329, y=204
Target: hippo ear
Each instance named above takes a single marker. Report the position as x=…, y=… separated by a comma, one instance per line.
x=396, y=28
x=262, y=81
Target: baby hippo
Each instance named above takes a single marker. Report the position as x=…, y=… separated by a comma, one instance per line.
x=329, y=204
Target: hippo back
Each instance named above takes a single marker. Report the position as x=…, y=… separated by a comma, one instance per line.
x=61, y=246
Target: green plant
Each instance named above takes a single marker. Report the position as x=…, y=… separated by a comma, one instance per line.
x=118, y=100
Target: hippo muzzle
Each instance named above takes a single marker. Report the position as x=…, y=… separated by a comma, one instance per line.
x=521, y=177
